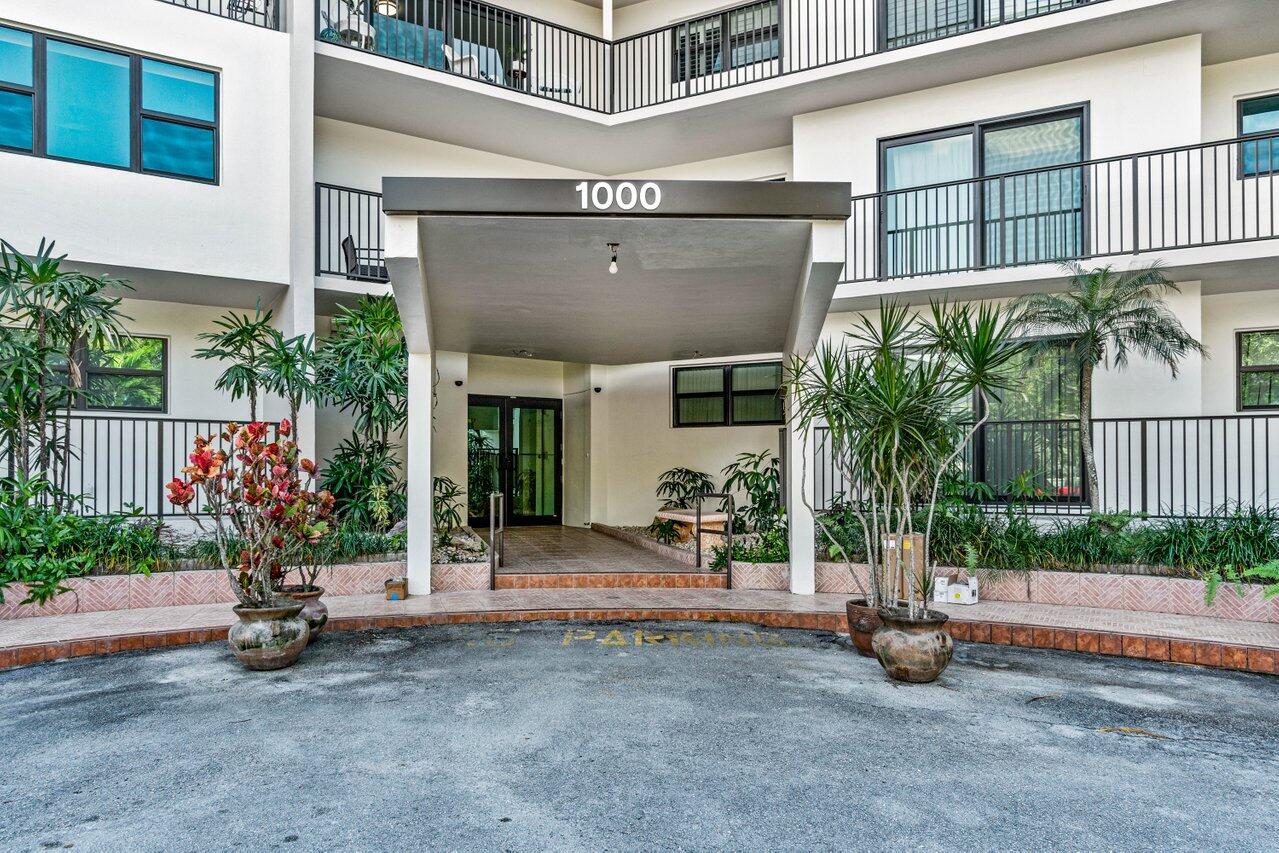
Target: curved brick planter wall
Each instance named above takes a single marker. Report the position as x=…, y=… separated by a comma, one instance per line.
x=1180, y=596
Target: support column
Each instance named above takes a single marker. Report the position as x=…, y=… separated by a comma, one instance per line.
x=799, y=491
x=418, y=473
x=817, y=280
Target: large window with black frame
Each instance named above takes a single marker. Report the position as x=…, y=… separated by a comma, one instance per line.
x=72, y=101
x=1258, y=369
x=732, y=39
x=741, y=394
x=1029, y=448
x=126, y=377
x=1001, y=192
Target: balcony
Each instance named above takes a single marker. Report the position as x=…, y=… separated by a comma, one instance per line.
x=1180, y=198
x=749, y=43
x=259, y=13
x=1159, y=467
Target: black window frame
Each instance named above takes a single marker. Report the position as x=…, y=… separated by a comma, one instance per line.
x=39, y=95
x=1241, y=369
x=980, y=180
x=80, y=401
x=1272, y=136
x=724, y=45
x=726, y=393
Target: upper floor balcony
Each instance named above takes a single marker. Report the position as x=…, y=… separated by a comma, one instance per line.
x=1189, y=206
x=748, y=43
x=259, y=13
x=710, y=84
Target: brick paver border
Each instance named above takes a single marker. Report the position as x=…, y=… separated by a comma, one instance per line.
x=1140, y=646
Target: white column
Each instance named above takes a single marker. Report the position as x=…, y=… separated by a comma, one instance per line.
x=607, y=30
x=418, y=473
x=799, y=490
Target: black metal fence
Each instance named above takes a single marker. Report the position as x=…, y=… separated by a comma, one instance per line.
x=1196, y=195
x=749, y=42
x=260, y=13
x=348, y=233
x=1160, y=467
x=118, y=461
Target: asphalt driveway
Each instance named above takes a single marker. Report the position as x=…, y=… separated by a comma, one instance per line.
x=616, y=736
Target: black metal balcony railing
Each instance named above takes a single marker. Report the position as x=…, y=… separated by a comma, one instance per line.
x=754, y=41
x=348, y=233
x=119, y=461
x=1197, y=195
x=260, y=13
x=1161, y=467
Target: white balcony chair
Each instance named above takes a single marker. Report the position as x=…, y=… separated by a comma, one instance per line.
x=465, y=65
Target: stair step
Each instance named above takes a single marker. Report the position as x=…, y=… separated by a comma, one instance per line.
x=612, y=580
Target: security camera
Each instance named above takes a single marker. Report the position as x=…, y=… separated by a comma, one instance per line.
x=457, y=382
x=598, y=389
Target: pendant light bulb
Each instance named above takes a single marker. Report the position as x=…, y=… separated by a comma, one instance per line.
x=612, y=264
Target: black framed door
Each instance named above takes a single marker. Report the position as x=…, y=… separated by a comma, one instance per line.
x=514, y=445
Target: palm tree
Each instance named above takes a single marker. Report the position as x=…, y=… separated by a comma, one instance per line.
x=1109, y=315
x=240, y=339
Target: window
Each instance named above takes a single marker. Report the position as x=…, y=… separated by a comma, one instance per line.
x=750, y=31
x=1032, y=438
x=17, y=90
x=1258, y=369
x=1009, y=194
x=129, y=377
x=727, y=394
x=75, y=102
x=1259, y=117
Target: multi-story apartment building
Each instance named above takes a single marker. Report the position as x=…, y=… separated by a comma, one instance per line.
x=221, y=159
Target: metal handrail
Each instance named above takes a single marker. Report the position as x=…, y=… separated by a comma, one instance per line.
x=497, y=535
x=727, y=532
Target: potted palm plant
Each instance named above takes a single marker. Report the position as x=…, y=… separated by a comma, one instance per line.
x=261, y=508
x=895, y=395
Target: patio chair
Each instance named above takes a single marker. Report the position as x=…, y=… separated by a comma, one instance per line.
x=467, y=65
x=357, y=268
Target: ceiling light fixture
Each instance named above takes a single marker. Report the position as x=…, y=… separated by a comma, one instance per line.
x=387, y=8
x=612, y=265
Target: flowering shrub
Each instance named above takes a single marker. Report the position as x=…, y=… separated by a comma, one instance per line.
x=261, y=502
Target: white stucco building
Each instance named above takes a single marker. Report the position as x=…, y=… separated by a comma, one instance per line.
x=221, y=153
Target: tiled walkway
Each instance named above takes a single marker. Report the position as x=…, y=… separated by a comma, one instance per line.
x=561, y=550
x=1186, y=639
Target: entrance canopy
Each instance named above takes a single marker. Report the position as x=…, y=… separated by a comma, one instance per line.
x=704, y=268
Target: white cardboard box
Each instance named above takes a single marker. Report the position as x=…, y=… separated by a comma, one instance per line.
x=961, y=592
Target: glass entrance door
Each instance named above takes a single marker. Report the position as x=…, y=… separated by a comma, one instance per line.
x=514, y=446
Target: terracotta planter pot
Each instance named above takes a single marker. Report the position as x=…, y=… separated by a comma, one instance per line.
x=915, y=650
x=314, y=610
x=268, y=637
x=862, y=622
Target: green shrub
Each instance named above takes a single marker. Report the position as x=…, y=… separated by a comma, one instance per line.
x=770, y=547
x=663, y=530
x=679, y=487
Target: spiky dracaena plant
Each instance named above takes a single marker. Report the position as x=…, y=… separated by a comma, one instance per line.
x=240, y=340
x=890, y=395
x=1109, y=316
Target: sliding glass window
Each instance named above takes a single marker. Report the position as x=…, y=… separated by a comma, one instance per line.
x=750, y=32
x=984, y=195
x=72, y=101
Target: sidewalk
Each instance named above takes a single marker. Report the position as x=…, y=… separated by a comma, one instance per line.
x=1232, y=644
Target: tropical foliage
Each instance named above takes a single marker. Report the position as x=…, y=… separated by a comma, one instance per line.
x=1107, y=316
x=678, y=488
x=758, y=475
x=259, y=498
x=892, y=395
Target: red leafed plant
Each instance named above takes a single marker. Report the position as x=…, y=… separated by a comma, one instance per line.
x=263, y=510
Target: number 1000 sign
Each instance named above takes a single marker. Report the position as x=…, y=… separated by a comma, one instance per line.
x=602, y=195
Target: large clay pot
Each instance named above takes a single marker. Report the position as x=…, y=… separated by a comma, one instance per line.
x=313, y=609
x=862, y=622
x=915, y=650
x=269, y=637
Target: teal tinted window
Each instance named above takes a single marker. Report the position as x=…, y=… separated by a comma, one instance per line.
x=177, y=149
x=87, y=104
x=1260, y=116
x=15, y=57
x=16, y=126
x=179, y=91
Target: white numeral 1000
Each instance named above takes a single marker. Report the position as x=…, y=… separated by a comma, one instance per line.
x=601, y=195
